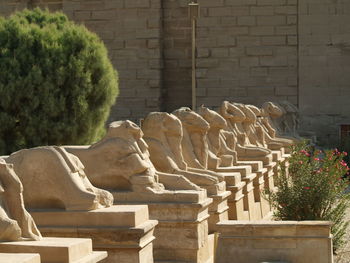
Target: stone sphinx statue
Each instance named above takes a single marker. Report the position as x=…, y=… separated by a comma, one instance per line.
x=291, y=123
x=235, y=117
x=54, y=178
x=268, y=111
x=164, y=134
x=290, y=119
x=121, y=162
x=271, y=118
x=16, y=223
x=200, y=138
x=194, y=143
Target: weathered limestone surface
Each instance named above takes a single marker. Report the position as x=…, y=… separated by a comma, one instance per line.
x=252, y=173
x=125, y=232
x=269, y=111
x=15, y=222
x=241, y=135
x=19, y=258
x=19, y=233
x=53, y=250
x=289, y=241
x=54, y=178
x=164, y=135
x=180, y=206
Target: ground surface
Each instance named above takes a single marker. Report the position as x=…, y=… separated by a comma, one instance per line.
x=344, y=255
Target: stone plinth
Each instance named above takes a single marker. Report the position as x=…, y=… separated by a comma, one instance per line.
x=236, y=186
x=182, y=232
x=53, y=250
x=19, y=258
x=263, y=241
x=125, y=232
x=218, y=210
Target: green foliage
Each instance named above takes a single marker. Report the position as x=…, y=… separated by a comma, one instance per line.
x=313, y=189
x=56, y=82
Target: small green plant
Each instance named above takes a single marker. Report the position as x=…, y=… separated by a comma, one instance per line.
x=313, y=188
x=57, y=84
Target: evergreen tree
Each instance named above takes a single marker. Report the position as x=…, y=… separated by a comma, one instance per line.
x=57, y=84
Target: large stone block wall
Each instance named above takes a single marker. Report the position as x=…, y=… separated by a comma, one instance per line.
x=324, y=53
x=248, y=51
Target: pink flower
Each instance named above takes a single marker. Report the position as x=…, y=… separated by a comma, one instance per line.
x=300, y=162
x=316, y=159
x=345, y=153
x=343, y=163
x=306, y=188
x=305, y=152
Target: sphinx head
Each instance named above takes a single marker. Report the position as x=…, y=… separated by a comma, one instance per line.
x=192, y=120
x=124, y=129
x=248, y=111
x=214, y=119
x=272, y=109
x=157, y=123
x=231, y=112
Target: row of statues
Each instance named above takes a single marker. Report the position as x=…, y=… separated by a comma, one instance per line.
x=184, y=150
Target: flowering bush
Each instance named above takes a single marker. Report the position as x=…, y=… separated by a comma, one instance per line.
x=313, y=188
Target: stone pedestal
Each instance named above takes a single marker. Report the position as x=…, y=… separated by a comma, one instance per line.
x=250, y=203
x=236, y=186
x=182, y=232
x=263, y=241
x=53, y=250
x=260, y=184
x=19, y=258
x=218, y=210
x=125, y=232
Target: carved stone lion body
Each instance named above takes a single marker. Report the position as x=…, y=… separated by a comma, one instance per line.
x=54, y=178
x=121, y=161
x=15, y=222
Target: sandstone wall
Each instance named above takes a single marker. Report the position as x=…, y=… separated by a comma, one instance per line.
x=324, y=53
x=248, y=51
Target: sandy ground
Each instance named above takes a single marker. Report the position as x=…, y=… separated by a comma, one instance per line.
x=344, y=255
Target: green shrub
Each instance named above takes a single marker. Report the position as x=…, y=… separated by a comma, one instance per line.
x=313, y=189
x=57, y=84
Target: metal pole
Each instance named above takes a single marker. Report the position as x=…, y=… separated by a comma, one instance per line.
x=194, y=14
x=194, y=95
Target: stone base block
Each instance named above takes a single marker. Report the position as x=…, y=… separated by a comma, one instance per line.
x=19, y=258
x=53, y=250
x=125, y=232
x=250, y=205
x=265, y=159
x=218, y=210
x=182, y=232
x=261, y=241
x=236, y=203
x=256, y=165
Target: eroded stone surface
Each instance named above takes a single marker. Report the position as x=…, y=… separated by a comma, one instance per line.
x=54, y=178
x=15, y=222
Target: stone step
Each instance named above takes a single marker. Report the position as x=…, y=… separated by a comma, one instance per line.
x=114, y=216
x=19, y=258
x=63, y=250
x=94, y=257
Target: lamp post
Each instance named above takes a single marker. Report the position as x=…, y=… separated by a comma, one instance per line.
x=194, y=14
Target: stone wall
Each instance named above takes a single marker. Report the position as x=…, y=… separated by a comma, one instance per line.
x=248, y=51
x=324, y=41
